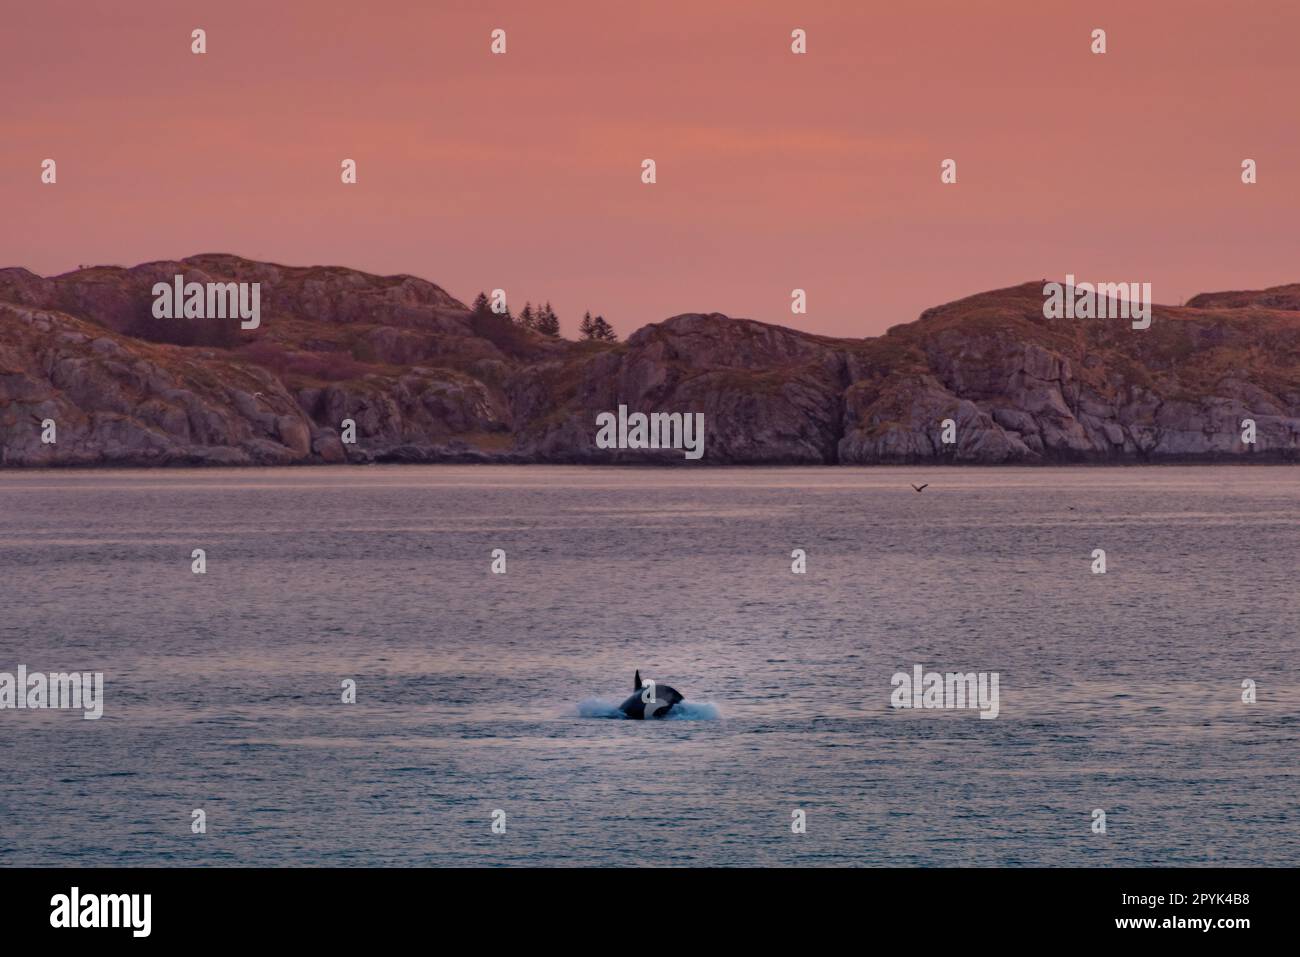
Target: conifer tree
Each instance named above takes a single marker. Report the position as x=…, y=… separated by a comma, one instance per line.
x=603, y=331
x=548, y=324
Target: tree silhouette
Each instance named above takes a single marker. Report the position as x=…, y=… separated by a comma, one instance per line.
x=548, y=323
x=603, y=331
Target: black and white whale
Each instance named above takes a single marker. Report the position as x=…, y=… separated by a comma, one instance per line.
x=651, y=700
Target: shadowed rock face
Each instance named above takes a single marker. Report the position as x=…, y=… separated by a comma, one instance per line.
x=425, y=380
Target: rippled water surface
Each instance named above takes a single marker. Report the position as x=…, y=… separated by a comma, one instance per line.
x=478, y=692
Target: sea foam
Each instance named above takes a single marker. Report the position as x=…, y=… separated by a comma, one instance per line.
x=682, y=711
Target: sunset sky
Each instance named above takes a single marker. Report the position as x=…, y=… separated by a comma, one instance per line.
x=775, y=171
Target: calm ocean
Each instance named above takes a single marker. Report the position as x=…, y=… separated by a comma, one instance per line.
x=478, y=692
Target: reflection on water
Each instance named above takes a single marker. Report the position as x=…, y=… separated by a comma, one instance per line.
x=474, y=691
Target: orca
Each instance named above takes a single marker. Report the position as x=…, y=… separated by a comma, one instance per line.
x=658, y=706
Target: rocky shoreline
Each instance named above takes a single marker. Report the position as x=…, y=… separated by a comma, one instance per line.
x=426, y=379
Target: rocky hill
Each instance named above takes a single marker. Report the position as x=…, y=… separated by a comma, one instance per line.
x=425, y=379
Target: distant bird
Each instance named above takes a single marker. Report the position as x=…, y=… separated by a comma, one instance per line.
x=917, y=488
x=258, y=394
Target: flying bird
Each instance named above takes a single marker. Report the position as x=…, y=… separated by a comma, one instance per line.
x=917, y=488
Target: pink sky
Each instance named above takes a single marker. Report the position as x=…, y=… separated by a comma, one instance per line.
x=775, y=171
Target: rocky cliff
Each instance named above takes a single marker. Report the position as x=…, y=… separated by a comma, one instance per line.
x=424, y=379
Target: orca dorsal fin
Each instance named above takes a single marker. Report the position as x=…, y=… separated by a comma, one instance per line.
x=636, y=682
